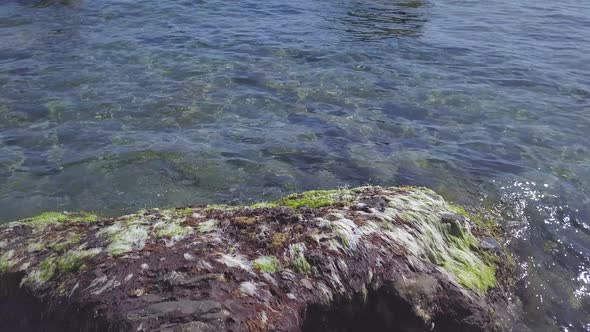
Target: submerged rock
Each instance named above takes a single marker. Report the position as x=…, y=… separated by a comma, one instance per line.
x=370, y=258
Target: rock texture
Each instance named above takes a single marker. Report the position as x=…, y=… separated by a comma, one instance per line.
x=370, y=258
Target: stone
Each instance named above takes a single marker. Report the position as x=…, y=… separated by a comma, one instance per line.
x=193, y=309
x=491, y=244
x=367, y=258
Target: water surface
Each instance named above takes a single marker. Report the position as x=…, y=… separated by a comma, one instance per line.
x=113, y=106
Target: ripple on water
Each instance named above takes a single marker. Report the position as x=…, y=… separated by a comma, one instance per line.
x=121, y=105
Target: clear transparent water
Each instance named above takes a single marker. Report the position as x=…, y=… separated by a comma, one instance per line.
x=113, y=106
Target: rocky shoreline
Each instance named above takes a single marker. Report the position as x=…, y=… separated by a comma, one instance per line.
x=369, y=258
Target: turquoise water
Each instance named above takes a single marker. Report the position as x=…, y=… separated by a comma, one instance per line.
x=114, y=106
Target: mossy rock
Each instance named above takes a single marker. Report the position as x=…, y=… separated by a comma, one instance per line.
x=270, y=264
x=58, y=217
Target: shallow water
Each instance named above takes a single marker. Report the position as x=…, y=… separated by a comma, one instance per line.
x=113, y=106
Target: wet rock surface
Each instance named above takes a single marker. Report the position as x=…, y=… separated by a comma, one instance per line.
x=370, y=258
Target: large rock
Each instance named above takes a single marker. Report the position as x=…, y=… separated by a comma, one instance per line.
x=371, y=258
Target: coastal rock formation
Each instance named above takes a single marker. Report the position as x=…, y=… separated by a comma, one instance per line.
x=369, y=258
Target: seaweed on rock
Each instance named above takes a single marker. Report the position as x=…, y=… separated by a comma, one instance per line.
x=389, y=258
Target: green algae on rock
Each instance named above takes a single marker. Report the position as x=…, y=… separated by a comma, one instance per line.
x=279, y=265
x=309, y=199
x=6, y=260
x=52, y=266
x=268, y=264
x=315, y=199
x=49, y=217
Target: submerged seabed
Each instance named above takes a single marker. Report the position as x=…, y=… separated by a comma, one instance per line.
x=114, y=106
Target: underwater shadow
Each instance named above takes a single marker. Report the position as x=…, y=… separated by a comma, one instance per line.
x=378, y=20
x=49, y=3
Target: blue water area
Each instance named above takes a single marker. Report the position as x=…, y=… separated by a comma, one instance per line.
x=113, y=106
